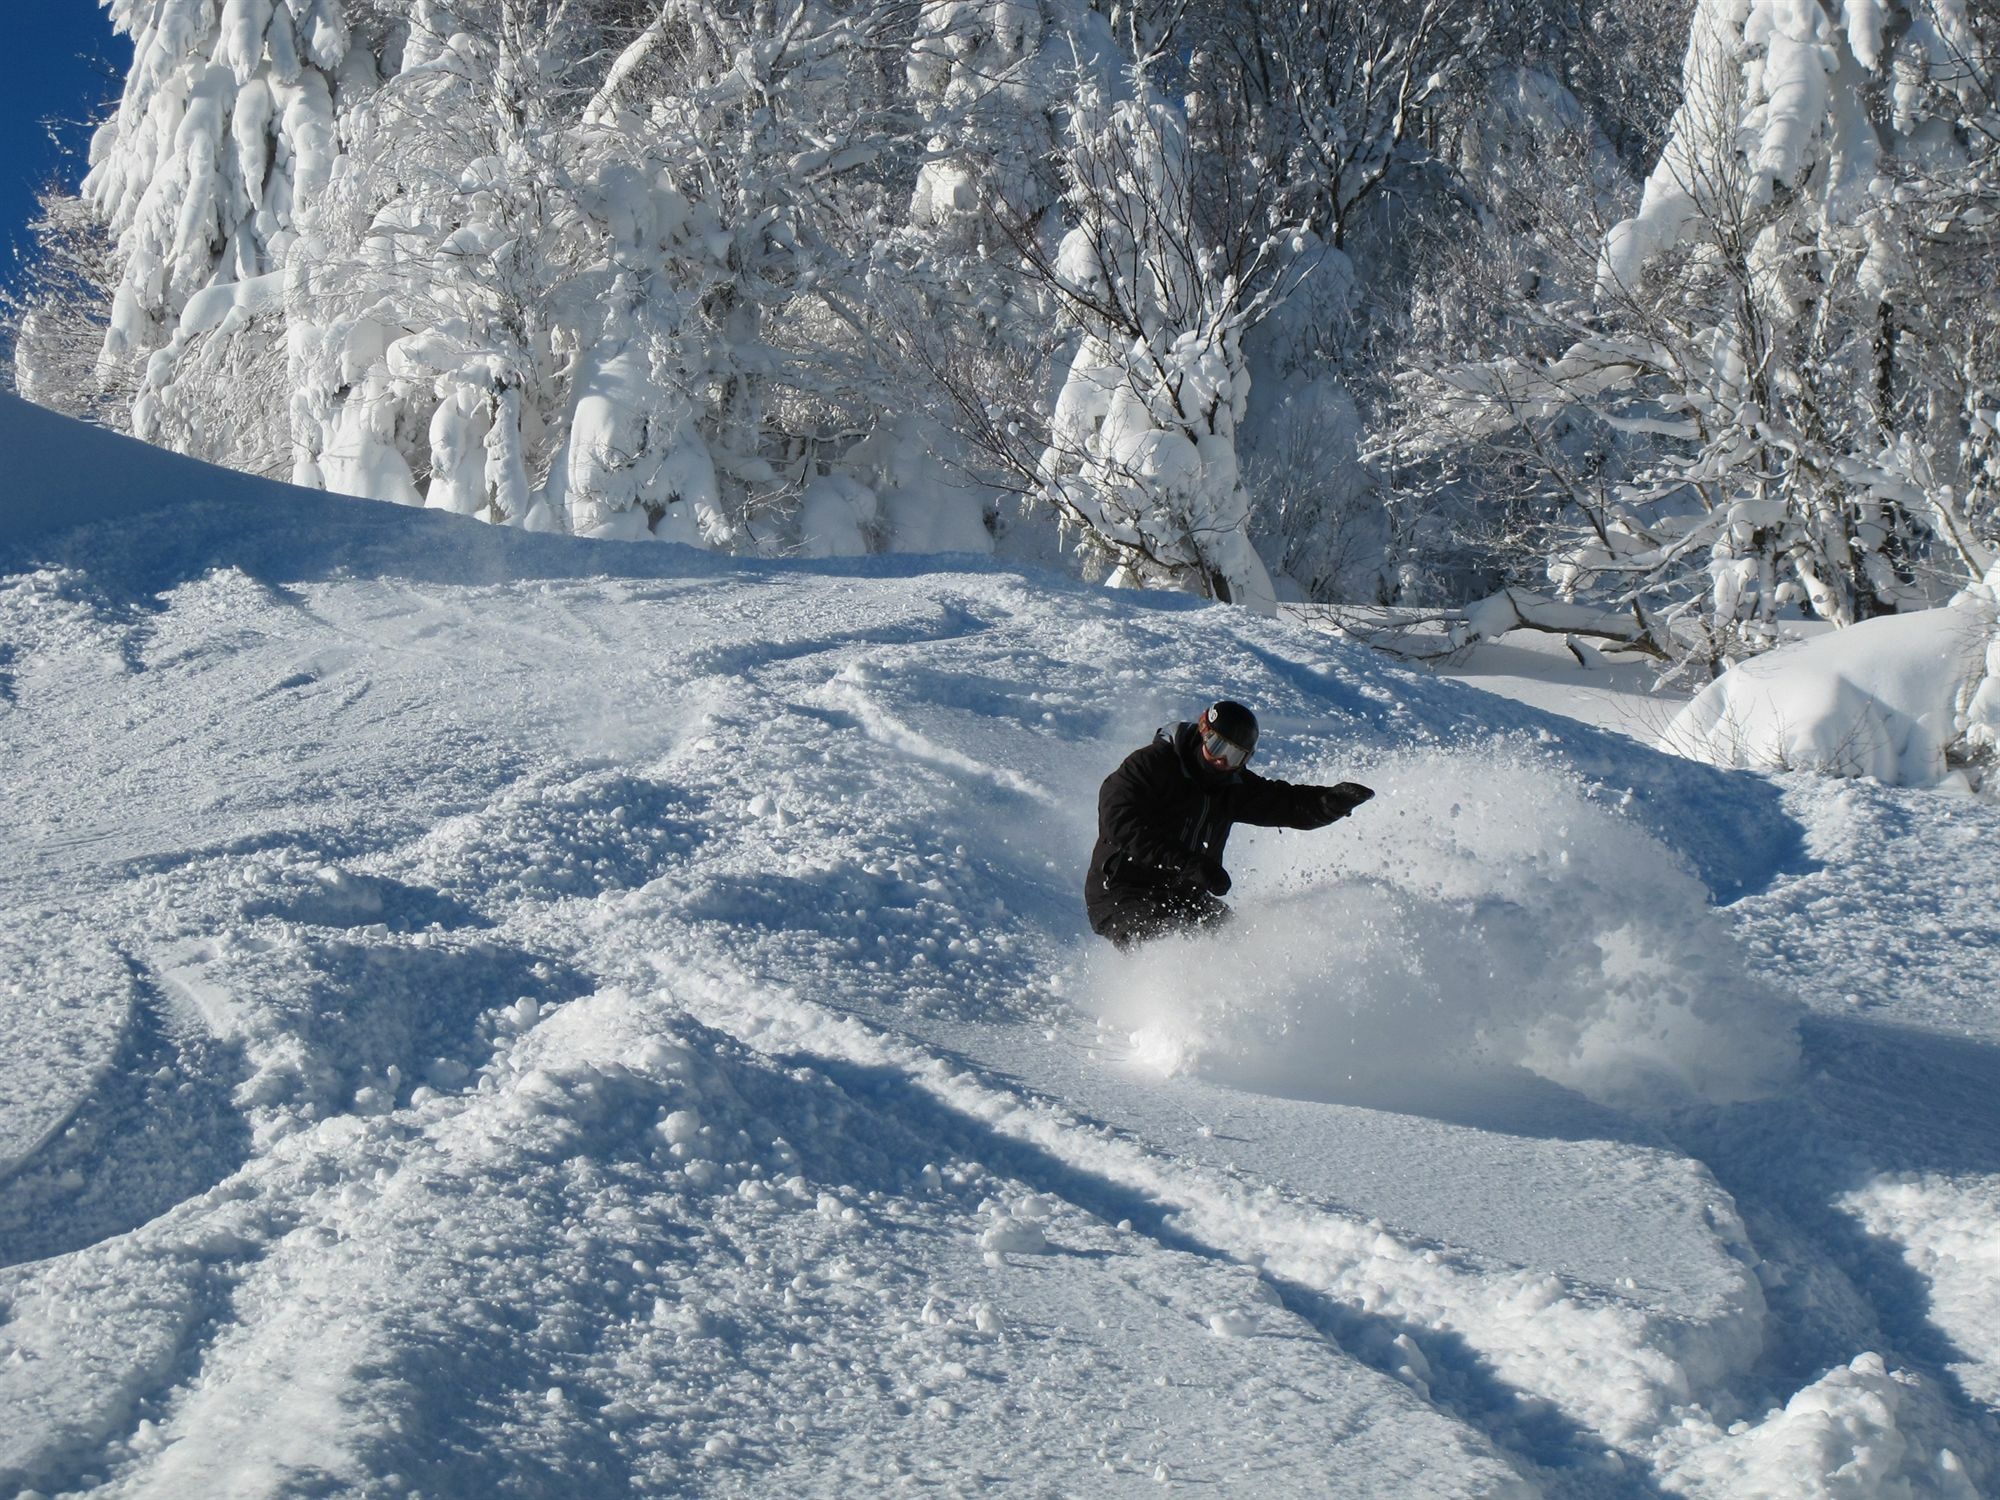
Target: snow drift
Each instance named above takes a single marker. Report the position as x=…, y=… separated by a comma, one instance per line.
x=1897, y=698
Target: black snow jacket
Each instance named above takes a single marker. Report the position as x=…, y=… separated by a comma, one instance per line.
x=1163, y=817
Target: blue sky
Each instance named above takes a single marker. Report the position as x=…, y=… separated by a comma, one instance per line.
x=63, y=51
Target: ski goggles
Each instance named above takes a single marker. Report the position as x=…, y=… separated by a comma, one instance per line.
x=1216, y=748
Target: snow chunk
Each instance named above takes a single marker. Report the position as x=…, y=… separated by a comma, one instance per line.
x=1015, y=1237
x=1837, y=1439
x=682, y=1128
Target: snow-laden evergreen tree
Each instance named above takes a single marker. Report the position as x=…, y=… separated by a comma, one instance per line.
x=1142, y=443
x=225, y=134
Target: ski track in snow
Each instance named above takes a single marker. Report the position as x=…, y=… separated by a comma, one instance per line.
x=491, y=1014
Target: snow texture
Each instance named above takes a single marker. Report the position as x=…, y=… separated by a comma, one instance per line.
x=1888, y=698
x=493, y=1013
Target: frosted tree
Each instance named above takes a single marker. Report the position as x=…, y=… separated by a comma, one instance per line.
x=587, y=264
x=1215, y=238
x=598, y=267
x=778, y=142
x=53, y=322
x=225, y=129
x=1943, y=463
x=988, y=81
x=426, y=328
x=1735, y=409
x=791, y=129
x=1141, y=452
x=1205, y=183
x=1348, y=95
x=1346, y=103
x=992, y=85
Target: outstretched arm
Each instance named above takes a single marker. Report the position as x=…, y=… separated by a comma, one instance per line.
x=1283, y=804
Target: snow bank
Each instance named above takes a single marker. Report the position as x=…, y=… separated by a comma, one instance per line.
x=62, y=473
x=1887, y=698
x=1944, y=1225
x=1837, y=1439
x=1487, y=910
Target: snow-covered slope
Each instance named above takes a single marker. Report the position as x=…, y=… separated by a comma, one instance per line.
x=492, y=1013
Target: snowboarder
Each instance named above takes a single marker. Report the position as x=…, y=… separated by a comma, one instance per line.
x=1164, y=816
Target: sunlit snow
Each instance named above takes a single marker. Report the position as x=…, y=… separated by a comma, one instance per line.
x=493, y=1013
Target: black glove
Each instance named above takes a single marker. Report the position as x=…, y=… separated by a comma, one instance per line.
x=1337, y=802
x=1214, y=879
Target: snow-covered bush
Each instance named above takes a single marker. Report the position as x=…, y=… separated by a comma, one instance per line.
x=53, y=321
x=1911, y=700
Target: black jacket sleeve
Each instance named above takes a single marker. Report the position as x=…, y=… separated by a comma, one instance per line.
x=1283, y=804
x=1127, y=811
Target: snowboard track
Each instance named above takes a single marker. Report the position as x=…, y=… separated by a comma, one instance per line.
x=1530, y=1433
x=157, y=1127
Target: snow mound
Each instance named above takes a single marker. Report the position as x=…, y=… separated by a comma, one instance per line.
x=1944, y=1225
x=1888, y=698
x=1488, y=910
x=68, y=474
x=1837, y=1439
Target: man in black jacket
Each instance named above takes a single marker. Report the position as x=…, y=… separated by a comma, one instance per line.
x=1164, y=816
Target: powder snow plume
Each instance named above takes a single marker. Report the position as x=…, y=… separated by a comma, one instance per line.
x=1487, y=911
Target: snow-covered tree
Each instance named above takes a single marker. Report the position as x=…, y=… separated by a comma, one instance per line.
x=53, y=322
x=793, y=125
x=438, y=302
x=1735, y=408
x=591, y=264
x=226, y=129
x=830, y=275
x=1142, y=442
x=1349, y=108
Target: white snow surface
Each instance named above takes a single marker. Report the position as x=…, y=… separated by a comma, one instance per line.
x=1887, y=698
x=495, y=1013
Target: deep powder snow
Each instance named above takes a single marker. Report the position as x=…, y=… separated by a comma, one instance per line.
x=491, y=1013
